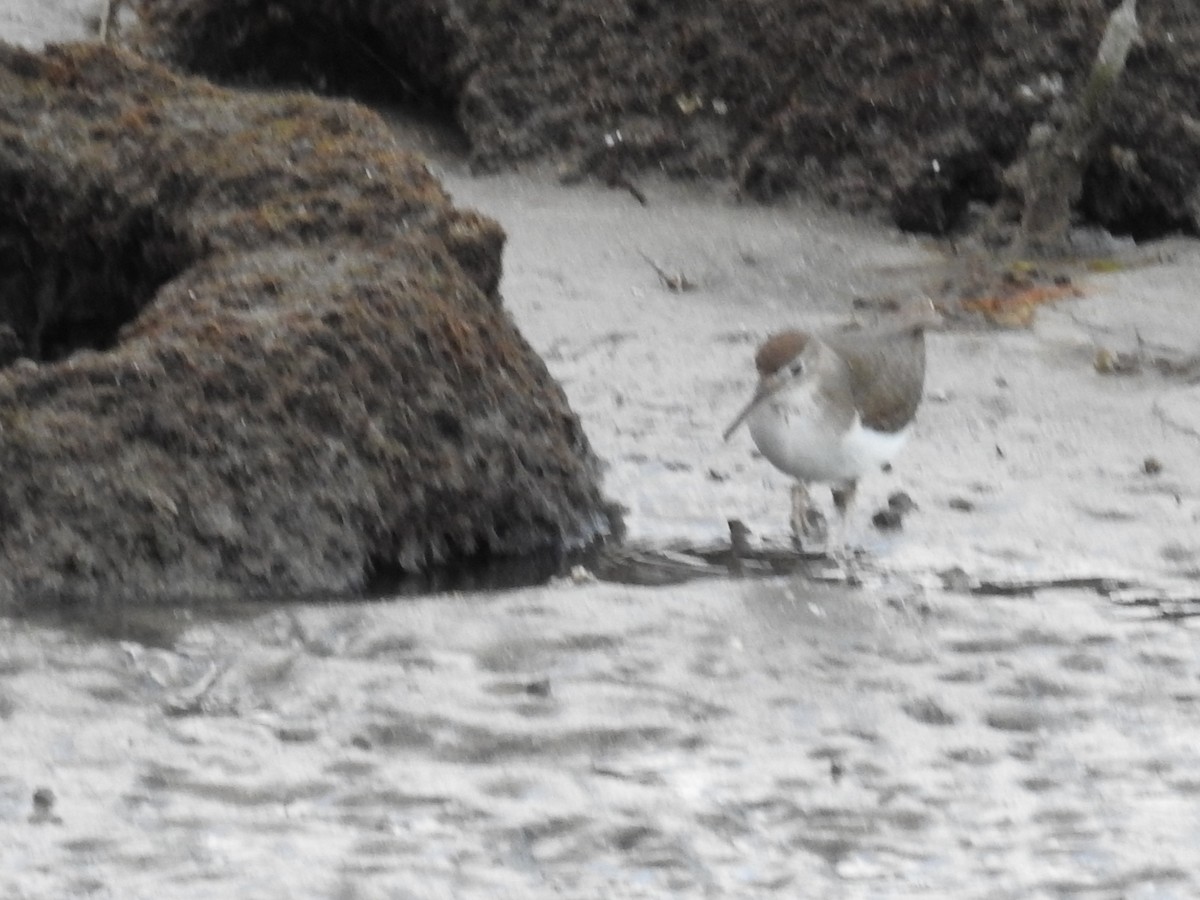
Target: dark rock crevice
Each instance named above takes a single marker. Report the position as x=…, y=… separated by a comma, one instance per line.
x=76, y=268
x=389, y=52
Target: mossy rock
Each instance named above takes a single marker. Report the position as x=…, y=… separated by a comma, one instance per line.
x=250, y=348
x=913, y=106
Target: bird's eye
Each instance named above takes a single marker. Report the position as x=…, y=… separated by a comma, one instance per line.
x=796, y=367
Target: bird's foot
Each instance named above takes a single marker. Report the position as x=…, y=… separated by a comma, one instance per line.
x=810, y=530
x=809, y=526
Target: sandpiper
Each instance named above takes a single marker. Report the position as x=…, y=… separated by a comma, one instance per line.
x=831, y=407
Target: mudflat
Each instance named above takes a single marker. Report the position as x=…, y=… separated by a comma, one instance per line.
x=1008, y=705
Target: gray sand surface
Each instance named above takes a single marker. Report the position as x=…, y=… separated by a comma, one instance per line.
x=738, y=738
x=1048, y=452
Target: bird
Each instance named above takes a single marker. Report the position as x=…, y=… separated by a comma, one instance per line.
x=833, y=406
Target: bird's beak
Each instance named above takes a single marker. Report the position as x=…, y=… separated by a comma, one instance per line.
x=762, y=392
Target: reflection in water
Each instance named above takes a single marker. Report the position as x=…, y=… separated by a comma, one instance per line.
x=483, y=574
x=157, y=625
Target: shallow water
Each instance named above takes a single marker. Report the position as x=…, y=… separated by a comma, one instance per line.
x=731, y=738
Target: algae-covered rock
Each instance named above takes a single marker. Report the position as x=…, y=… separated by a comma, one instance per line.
x=915, y=106
x=255, y=350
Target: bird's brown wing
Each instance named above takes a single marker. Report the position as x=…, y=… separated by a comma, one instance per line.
x=887, y=373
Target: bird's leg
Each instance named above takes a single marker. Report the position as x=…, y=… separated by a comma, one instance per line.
x=799, y=505
x=808, y=525
x=843, y=499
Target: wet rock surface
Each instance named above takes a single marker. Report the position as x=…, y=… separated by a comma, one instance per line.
x=259, y=351
x=914, y=107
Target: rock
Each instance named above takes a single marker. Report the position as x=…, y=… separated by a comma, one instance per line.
x=264, y=355
x=916, y=107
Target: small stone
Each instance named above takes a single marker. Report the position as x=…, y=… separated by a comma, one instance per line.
x=43, y=800
x=962, y=504
x=887, y=520
x=538, y=688
x=43, y=808
x=1151, y=465
x=890, y=518
x=929, y=711
x=1015, y=719
x=296, y=733
x=956, y=579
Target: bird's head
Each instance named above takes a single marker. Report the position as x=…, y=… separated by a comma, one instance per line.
x=784, y=360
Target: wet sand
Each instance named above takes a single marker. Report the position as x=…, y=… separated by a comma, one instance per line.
x=730, y=737
x=1026, y=463
x=758, y=738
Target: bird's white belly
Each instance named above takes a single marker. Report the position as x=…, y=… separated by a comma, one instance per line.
x=797, y=439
